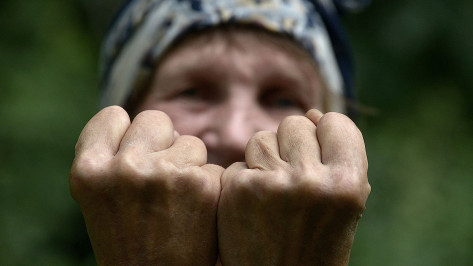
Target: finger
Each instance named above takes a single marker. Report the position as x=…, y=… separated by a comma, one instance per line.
x=341, y=141
x=231, y=172
x=262, y=151
x=150, y=131
x=314, y=115
x=185, y=151
x=214, y=172
x=297, y=140
x=103, y=133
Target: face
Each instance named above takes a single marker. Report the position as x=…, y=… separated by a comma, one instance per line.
x=224, y=90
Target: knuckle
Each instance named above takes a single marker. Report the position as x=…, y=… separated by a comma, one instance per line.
x=261, y=141
x=293, y=121
x=242, y=181
x=281, y=184
x=115, y=109
x=261, y=138
x=148, y=179
x=193, y=183
x=291, y=126
x=340, y=119
x=116, y=112
x=153, y=114
x=351, y=189
x=87, y=174
x=192, y=142
x=193, y=179
x=311, y=183
x=133, y=171
x=340, y=188
x=85, y=165
x=263, y=185
x=337, y=116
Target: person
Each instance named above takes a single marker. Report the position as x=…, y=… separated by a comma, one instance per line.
x=215, y=144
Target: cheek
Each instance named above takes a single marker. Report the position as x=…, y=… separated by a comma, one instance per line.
x=268, y=119
x=185, y=121
x=186, y=124
x=272, y=125
x=277, y=116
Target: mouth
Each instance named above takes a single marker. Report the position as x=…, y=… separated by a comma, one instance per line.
x=222, y=160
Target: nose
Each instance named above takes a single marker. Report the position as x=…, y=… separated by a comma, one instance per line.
x=236, y=123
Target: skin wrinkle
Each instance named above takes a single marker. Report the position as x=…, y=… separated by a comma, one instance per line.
x=265, y=152
x=236, y=78
x=228, y=43
x=231, y=85
x=234, y=50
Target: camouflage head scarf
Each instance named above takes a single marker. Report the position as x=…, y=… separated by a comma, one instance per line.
x=144, y=29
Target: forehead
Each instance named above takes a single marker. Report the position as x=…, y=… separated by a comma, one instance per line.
x=244, y=49
x=241, y=37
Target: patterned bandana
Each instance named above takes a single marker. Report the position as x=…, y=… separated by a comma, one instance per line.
x=145, y=29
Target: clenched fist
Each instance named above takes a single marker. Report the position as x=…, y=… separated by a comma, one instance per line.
x=147, y=195
x=298, y=198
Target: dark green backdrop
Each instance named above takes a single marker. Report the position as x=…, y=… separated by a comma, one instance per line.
x=415, y=87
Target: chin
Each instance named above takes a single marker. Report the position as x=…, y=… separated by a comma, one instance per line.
x=223, y=161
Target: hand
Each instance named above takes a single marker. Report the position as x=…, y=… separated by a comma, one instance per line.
x=298, y=198
x=147, y=195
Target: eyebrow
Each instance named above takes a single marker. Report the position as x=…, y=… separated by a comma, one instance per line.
x=191, y=66
x=299, y=78
x=181, y=75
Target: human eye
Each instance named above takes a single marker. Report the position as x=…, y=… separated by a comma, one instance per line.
x=284, y=102
x=189, y=93
x=282, y=99
x=196, y=87
x=196, y=94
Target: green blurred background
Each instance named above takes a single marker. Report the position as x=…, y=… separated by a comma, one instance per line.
x=414, y=82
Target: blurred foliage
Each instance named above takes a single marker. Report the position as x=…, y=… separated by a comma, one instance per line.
x=414, y=64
